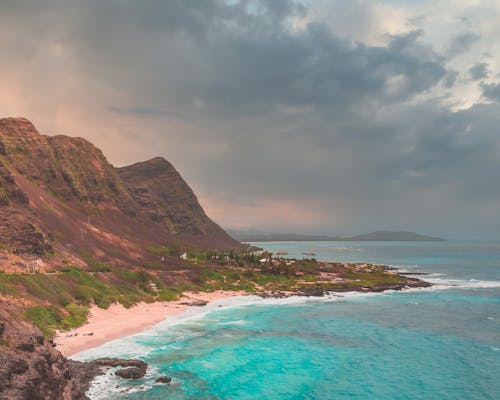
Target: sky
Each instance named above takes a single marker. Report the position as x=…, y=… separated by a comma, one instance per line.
x=309, y=116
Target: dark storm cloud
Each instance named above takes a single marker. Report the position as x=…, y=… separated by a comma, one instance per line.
x=263, y=116
x=314, y=69
x=239, y=57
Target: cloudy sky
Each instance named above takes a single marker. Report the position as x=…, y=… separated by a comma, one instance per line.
x=324, y=116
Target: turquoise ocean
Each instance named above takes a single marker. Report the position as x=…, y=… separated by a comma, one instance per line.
x=438, y=343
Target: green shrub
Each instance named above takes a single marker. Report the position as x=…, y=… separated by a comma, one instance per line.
x=167, y=294
x=44, y=318
x=76, y=316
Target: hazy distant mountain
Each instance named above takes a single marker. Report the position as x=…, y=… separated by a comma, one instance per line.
x=259, y=236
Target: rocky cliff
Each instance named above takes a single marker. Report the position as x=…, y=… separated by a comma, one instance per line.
x=61, y=199
x=30, y=368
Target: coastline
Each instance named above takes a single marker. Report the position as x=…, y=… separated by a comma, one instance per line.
x=115, y=322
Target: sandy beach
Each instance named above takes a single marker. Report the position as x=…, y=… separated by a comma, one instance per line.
x=117, y=321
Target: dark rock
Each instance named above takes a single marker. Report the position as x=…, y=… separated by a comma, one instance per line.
x=131, y=373
x=118, y=362
x=26, y=347
x=196, y=303
x=164, y=379
x=2, y=328
x=18, y=366
x=313, y=292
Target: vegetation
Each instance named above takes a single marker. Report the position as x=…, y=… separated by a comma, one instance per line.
x=61, y=299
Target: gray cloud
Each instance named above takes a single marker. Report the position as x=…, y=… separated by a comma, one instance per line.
x=479, y=71
x=274, y=125
x=491, y=91
x=462, y=43
x=450, y=79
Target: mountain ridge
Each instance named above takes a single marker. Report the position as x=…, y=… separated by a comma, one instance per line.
x=60, y=199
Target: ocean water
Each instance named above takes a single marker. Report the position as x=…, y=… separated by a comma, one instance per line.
x=437, y=343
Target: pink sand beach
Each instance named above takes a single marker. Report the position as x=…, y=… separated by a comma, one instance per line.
x=117, y=321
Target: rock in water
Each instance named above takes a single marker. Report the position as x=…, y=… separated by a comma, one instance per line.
x=164, y=379
x=131, y=373
x=118, y=362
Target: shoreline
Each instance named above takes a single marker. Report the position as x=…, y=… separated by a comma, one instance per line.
x=115, y=322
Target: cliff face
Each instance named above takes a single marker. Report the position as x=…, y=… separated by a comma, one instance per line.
x=165, y=198
x=59, y=195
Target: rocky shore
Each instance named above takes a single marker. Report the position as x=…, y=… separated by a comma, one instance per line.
x=32, y=369
x=319, y=292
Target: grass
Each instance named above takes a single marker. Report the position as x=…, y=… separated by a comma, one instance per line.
x=47, y=319
x=95, y=265
x=61, y=301
x=163, y=251
x=167, y=294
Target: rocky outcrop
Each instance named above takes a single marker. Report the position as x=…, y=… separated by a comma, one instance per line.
x=131, y=373
x=30, y=368
x=164, y=379
x=194, y=303
x=118, y=362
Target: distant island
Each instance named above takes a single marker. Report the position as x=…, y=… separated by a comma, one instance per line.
x=377, y=236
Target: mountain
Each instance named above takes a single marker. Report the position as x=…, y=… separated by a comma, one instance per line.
x=166, y=198
x=62, y=201
x=259, y=236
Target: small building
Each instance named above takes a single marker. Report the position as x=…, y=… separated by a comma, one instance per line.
x=183, y=256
